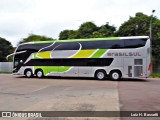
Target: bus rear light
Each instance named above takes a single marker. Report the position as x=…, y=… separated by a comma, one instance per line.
x=150, y=67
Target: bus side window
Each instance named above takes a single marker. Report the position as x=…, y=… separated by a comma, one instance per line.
x=134, y=43
x=92, y=62
x=68, y=46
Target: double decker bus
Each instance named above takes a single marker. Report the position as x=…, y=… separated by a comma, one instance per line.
x=116, y=57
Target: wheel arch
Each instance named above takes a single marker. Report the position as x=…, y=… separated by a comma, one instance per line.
x=39, y=70
x=27, y=70
x=35, y=71
x=100, y=70
x=117, y=70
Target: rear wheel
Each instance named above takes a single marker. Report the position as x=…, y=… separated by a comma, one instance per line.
x=115, y=75
x=100, y=75
x=28, y=73
x=39, y=73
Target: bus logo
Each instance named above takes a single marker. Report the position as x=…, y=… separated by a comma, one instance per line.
x=124, y=54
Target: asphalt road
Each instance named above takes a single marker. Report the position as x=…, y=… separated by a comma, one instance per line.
x=18, y=93
x=139, y=95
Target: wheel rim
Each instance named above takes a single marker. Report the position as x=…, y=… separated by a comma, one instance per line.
x=39, y=74
x=115, y=76
x=28, y=74
x=100, y=75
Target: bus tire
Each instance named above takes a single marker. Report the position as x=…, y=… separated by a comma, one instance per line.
x=28, y=73
x=115, y=75
x=100, y=75
x=39, y=73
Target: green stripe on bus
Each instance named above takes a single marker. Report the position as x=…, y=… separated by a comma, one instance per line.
x=77, y=40
x=99, y=53
x=89, y=39
x=52, y=69
x=40, y=42
x=44, y=68
x=57, y=68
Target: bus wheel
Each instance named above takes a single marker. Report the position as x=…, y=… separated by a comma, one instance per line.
x=115, y=75
x=39, y=73
x=100, y=75
x=28, y=73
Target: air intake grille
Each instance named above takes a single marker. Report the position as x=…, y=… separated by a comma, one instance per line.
x=138, y=71
x=138, y=67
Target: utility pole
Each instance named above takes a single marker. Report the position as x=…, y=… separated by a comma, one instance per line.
x=150, y=27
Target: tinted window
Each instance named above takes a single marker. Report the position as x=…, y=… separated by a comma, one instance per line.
x=105, y=44
x=68, y=46
x=32, y=47
x=50, y=47
x=134, y=43
x=100, y=44
x=115, y=44
x=71, y=62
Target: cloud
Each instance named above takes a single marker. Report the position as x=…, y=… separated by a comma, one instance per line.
x=48, y=17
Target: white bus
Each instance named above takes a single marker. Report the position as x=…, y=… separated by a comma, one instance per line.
x=116, y=57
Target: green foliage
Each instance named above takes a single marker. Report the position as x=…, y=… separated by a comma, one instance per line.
x=88, y=30
x=155, y=75
x=138, y=25
x=107, y=30
x=5, y=72
x=33, y=37
x=97, y=34
x=6, y=48
x=68, y=34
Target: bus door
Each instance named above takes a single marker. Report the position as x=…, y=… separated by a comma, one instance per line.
x=128, y=67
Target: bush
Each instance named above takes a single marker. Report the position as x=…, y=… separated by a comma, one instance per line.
x=155, y=75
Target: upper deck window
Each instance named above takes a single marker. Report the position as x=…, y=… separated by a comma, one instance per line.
x=134, y=43
x=32, y=47
x=99, y=44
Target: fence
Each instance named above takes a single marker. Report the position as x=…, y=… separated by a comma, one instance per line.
x=6, y=66
x=156, y=67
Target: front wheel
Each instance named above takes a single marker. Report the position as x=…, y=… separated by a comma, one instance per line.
x=115, y=75
x=100, y=75
x=39, y=73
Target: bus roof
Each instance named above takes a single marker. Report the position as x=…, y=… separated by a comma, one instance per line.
x=87, y=39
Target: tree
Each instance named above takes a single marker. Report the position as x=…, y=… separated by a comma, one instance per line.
x=139, y=25
x=68, y=34
x=86, y=29
x=97, y=34
x=6, y=48
x=107, y=30
x=32, y=38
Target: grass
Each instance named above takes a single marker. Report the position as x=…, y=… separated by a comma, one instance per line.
x=155, y=75
x=5, y=72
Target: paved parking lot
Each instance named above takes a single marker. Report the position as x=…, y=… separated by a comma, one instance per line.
x=18, y=93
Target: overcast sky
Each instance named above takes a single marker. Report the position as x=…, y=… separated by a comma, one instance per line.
x=19, y=18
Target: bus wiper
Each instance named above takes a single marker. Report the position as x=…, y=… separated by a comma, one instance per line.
x=15, y=53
